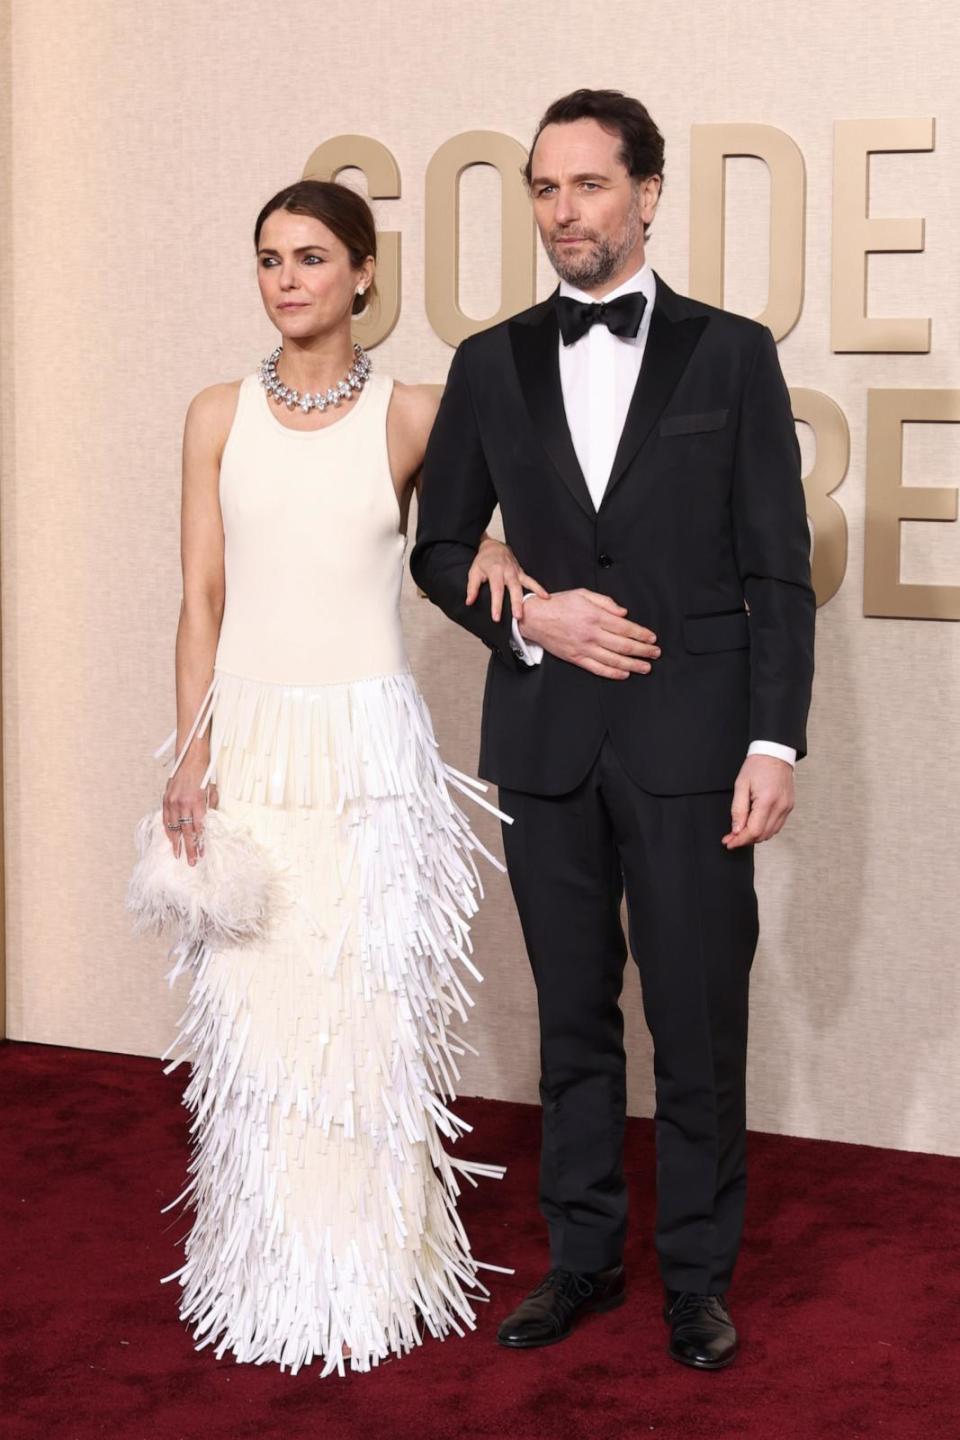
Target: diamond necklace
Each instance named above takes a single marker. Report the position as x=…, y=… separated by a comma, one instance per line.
x=352, y=383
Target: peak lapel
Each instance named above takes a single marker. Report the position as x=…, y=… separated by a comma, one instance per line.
x=672, y=340
x=535, y=340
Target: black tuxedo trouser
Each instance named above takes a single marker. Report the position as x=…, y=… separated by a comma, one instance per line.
x=693, y=929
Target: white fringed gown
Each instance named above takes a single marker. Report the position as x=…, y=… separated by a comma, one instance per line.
x=323, y=1060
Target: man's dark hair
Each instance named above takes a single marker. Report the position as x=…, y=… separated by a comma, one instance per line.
x=641, y=144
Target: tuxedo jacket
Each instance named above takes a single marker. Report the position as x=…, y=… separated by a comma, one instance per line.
x=701, y=534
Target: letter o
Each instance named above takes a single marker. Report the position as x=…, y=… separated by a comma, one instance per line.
x=442, y=240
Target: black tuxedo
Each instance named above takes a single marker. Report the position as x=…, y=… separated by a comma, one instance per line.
x=702, y=535
x=703, y=511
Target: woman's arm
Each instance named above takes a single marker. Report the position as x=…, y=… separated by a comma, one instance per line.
x=201, y=609
x=413, y=411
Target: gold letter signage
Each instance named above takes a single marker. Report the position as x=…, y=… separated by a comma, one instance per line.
x=889, y=501
x=710, y=145
x=442, y=248
x=832, y=435
x=855, y=235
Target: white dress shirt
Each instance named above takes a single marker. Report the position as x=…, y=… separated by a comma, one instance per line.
x=598, y=375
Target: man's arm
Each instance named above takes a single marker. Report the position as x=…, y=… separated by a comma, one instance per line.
x=457, y=499
x=772, y=544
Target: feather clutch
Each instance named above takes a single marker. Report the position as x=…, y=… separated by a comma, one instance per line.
x=228, y=898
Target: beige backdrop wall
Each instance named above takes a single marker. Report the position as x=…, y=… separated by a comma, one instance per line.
x=140, y=144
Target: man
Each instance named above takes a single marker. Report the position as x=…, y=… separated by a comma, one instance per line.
x=643, y=719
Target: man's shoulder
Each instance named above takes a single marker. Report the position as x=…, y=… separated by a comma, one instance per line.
x=494, y=337
x=728, y=326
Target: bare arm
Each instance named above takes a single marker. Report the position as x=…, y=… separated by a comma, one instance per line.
x=201, y=609
x=412, y=412
x=413, y=409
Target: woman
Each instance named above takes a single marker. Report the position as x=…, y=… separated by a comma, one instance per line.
x=321, y=1059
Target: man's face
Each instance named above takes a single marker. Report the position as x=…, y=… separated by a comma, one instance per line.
x=589, y=211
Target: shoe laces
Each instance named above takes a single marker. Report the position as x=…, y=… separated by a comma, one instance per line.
x=688, y=1301
x=568, y=1286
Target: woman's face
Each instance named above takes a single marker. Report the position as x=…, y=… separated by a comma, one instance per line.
x=307, y=282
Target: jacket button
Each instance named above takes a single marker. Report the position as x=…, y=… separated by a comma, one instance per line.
x=604, y=560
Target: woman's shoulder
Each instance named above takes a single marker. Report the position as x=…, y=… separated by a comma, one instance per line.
x=214, y=400
x=413, y=409
x=415, y=406
x=211, y=411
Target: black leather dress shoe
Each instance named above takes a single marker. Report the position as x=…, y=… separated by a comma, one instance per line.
x=701, y=1331
x=562, y=1298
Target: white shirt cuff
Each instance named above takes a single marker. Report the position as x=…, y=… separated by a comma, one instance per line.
x=528, y=651
x=770, y=747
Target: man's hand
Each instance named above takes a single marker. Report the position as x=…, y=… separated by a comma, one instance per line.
x=591, y=631
x=762, y=800
x=496, y=565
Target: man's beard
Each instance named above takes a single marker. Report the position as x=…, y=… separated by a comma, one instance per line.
x=601, y=261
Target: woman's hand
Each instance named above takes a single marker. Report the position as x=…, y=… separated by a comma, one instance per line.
x=185, y=804
x=496, y=565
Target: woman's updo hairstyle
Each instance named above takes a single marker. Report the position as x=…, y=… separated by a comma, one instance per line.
x=345, y=213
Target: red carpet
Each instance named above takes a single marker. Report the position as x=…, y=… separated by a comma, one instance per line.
x=847, y=1298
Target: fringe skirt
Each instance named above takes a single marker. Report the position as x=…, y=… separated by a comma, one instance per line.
x=323, y=1060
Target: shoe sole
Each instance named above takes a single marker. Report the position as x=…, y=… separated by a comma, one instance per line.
x=605, y=1305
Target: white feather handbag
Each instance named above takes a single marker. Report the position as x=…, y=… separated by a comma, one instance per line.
x=228, y=898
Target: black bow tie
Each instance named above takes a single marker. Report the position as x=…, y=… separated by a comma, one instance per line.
x=621, y=316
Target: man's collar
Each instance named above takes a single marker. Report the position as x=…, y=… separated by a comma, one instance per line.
x=642, y=279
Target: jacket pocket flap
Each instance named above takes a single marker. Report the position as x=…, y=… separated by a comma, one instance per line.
x=693, y=424
x=704, y=634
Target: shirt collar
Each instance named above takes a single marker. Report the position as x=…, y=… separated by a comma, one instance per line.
x=642, y=279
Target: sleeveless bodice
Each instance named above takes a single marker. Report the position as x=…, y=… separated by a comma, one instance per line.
x=312, y=701
x=312, y=550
